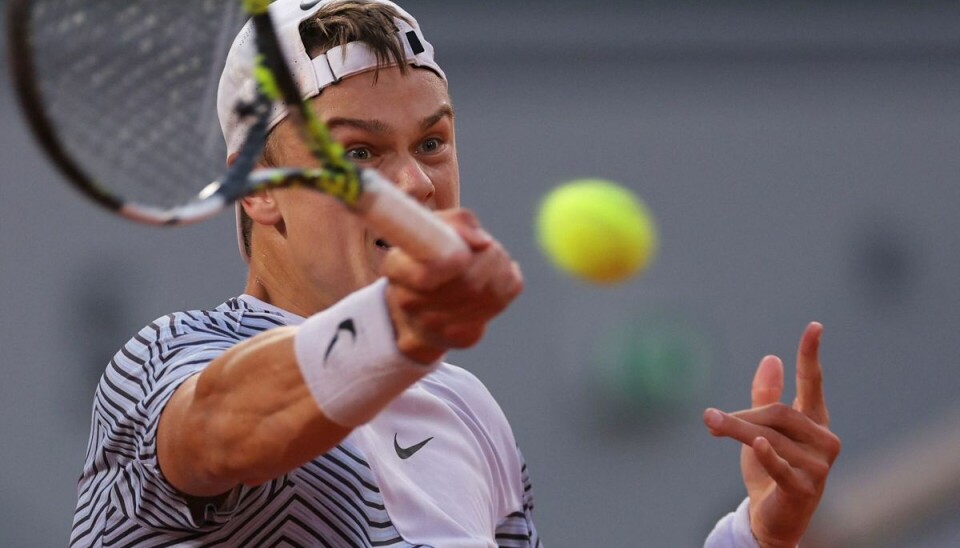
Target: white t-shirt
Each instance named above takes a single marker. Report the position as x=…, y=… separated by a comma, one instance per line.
x=438, y=467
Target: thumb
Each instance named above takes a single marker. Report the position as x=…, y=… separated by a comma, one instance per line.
x=767, y=382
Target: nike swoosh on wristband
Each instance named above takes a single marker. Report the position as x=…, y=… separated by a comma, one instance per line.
x=406, y=452
x=307, y=4
x=345, y=325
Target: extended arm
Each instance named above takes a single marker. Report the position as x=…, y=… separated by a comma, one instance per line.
x=246, y=418
x=253, y=413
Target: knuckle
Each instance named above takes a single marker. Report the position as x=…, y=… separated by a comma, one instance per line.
x=413, y=278
x=463, y=335
x=819, y=469
x=834, y=446
x=508, y=279
x=433, y=277
x=433, y=323
x=408, y=303
x=779, y=411
x=476, y=286
x=389, y=267
x=516, y=288
x=465, y=215
x=459, y=217
x=469, y=289
x=497, y=248
x=402, y=296
x=458, y=261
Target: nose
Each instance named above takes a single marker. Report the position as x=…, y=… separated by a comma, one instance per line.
x=411, y=178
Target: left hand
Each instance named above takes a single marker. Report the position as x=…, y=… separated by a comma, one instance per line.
x=787, y=451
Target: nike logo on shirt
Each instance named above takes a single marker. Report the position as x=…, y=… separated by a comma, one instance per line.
x=407, y=452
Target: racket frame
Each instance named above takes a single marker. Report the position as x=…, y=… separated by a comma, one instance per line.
x=400, y=218
x=30, y=97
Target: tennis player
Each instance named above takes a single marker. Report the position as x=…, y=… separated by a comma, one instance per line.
x=315, y=409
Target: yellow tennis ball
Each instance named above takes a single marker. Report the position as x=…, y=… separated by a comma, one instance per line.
x=596, y=230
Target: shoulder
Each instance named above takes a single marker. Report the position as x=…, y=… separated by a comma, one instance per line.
x=229, y=323
x=468, y=395
x=233, y=319
x=465, y=384
x=185, y=341
x=175, y=331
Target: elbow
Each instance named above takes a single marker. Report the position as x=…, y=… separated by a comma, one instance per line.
x=212, y=444
x=224, y=455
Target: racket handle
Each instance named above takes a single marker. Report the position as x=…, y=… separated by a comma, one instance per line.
x=404, y=222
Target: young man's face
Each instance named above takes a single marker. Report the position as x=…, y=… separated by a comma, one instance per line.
x=403, y=126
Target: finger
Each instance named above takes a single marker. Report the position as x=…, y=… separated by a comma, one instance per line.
x=489, y=283
x=464, y=335
x=436, y=314
x=810, y=400
x=729, y=426
x=491, y=277
x=404, y=270
x=461, y=334
x=779, y=469
x=468, y=227
x=767, y=385
x=785, y=420
x=516, y=279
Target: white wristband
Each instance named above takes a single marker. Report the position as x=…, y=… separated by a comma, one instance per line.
x=349, y=358
x=733, y=531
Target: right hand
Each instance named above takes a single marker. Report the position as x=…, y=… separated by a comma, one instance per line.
x=436, y=306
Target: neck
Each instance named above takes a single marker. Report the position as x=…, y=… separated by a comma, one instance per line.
x=273, y=286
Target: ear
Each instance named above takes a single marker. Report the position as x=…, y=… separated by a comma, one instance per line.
x=262, y=208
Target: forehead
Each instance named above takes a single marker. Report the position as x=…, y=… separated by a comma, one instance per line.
x=388, y=96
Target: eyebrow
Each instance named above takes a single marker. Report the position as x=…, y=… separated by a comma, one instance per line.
x=370, y=126
x=381, y=128
x=446, y=111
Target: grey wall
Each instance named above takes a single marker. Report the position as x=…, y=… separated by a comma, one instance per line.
x=801, y=160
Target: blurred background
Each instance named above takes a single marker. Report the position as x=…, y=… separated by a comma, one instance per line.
x=802, y=160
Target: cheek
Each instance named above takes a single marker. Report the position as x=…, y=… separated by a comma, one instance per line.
x=447, y=186
x=317, y=223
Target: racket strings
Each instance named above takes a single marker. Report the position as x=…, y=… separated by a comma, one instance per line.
x=130, y=90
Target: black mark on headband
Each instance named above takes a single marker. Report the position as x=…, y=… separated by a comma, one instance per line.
x=415, y=44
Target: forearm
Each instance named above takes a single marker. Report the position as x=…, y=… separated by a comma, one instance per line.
x=248, y=417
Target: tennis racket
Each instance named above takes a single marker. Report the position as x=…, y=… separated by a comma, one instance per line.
x=122, y=97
